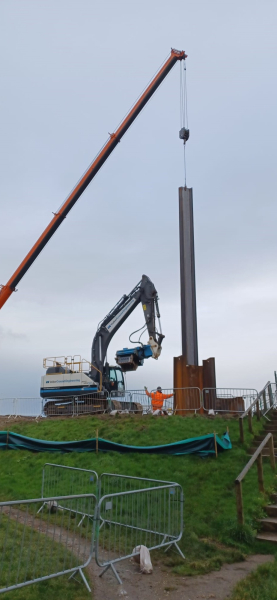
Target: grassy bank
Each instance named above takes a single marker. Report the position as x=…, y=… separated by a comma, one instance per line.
x=211, y=535
x=43, y=557
x=260, y=585
x=58, y=587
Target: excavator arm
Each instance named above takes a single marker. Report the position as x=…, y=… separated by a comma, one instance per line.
x=114, y=139
x=146, y=294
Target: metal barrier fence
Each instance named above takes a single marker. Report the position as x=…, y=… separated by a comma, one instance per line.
x=133, y=401
x=228, y=400
x=73, y=406
x=267, y=398
x=261, y=405
x=45, y=538
x=23, y=407
x=59, y=480
x=180, y=401
x=151, y=516
x=36, y=547
x=112, y=483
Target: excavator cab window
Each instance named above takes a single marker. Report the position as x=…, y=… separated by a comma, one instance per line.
x=120, y=380
x=113, y=379
x=116, y=379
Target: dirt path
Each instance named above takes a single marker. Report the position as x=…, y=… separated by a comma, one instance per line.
x=217, y=585
x=160, y=584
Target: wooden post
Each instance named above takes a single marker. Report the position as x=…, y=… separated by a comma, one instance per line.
x=215, y=444
x=258, y=410
x=250, y=424
x=271, y=452
x=241, y=432
x=96, y=441
x=260, y=472
x=239, y=503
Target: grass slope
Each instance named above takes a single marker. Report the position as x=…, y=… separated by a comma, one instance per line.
x=211, y=535
x=260, y=585
x=58, y=588
x=43, y=558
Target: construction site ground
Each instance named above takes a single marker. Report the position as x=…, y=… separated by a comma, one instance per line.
x=217, y=554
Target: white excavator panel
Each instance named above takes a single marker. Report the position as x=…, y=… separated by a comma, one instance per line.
x=66, y=380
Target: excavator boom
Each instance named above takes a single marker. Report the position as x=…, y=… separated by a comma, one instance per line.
x=146, y=294
x=114, y=139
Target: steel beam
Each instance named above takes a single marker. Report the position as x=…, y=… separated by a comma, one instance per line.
x=187, y=277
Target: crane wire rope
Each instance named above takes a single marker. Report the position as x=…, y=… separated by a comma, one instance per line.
x=184, y=108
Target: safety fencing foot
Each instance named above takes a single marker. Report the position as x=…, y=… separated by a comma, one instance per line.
x=114, y=572
x=72, y=576
x=177, y=548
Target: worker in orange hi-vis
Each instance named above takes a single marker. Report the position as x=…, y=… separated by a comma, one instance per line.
x=157, y=400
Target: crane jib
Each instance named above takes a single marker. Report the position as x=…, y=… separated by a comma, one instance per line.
x=6, y=290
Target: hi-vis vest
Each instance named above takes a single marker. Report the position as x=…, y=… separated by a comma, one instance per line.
x=158, y=399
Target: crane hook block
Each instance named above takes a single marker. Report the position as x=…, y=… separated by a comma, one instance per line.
x=184, y=134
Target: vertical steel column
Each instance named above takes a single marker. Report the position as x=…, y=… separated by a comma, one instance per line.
x=187, y=277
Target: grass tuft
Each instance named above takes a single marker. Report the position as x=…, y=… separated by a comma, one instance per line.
x=260, y=585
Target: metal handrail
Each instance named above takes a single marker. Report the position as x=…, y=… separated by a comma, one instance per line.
x=256, y=403
x=257, y=456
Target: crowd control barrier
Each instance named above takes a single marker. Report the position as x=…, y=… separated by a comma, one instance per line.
x=180, y=402
x=267, y=398
x=58, y=533
x=36, y=546
x=228, y=400
x=151, y=516
x=112, y=483
x=21, y=407
x=59, y=480
x=74, y=406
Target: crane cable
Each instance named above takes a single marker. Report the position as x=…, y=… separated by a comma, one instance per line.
x=184, y=108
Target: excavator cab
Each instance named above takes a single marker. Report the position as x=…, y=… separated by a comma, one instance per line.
x=115, y=378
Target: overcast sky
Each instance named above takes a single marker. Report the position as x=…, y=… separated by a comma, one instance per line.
x=70, y=70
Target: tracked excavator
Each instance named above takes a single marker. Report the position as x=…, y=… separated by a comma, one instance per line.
x=62, y=377
x=67, y=377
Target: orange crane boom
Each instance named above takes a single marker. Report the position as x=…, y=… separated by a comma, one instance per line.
x=114, y=139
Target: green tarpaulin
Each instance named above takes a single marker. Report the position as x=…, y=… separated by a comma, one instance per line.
x=204, y=445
